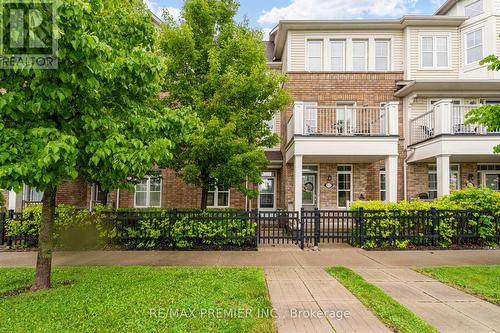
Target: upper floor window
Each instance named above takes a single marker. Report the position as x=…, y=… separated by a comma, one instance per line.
x=338, y=55
x=148, y=192
x=271, y=124
x=382, y=55
x=434, y=52
x=474, y=9
x=218, y=196
x=359, y=55
x=474, y=45
x=314, y=55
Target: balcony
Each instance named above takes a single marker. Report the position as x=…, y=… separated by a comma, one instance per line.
x=443, y=131
x=343, y=130
x=445, y=118
x=344, y=120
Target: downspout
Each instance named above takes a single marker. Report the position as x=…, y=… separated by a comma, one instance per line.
x=405, y=172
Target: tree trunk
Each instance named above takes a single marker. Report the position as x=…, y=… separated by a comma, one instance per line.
x=45, y=241
x=204, y=196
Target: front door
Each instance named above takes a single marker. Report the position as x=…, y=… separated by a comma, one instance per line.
x=309, y=191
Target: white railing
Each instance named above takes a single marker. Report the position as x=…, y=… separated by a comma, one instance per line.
x=458, y=122
x=445, y=118
x=423, y=127
x=345, y=121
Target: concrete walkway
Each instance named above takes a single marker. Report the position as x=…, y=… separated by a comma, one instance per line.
x=310, y=300
x=301, y=291
x=265, y=257
x=446, y=308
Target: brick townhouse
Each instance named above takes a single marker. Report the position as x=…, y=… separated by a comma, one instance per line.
x=379, y=114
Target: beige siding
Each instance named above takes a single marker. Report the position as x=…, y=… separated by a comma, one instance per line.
x=414, y=55
x=298, y=39
x=497, y=29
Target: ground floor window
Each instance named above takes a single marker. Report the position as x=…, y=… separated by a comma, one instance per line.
x=267, y=191
x=98, y=195
x=382, y=181
x=344, y=185
x=489, y=176
x=432, y=179
x=32, y=194
x=148, y=192
x=218, y=196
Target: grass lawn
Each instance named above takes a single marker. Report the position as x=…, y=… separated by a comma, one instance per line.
x=137, y=299
x=483, y=281
x=390, y=312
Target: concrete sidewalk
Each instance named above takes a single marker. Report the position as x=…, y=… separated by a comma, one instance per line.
x=446, y=308
x=310, y=300
x=265, y=257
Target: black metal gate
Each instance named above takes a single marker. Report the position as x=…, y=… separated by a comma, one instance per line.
x=311, y=227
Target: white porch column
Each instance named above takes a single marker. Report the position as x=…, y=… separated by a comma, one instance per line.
x=298, y=118
x=297, y=164
x=442, y=114
x=443, y=175
x=392, y=118
x=391, y=178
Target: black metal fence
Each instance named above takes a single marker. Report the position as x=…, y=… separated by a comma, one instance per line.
x=161, y=229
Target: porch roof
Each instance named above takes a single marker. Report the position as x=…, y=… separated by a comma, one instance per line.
x=480, y=88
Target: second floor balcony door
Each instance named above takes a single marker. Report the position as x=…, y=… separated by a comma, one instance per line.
x=345, y=118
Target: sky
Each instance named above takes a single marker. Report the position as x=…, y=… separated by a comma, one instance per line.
x=265, y=14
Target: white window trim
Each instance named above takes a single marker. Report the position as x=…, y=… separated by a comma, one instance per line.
x=389, y=54
x=318, y=173
x=473, y=3
x=272, y=124
x=367, y=63
x=430, y=100
x=148, y=193
x=434, y=51
x=382, y=172
x=344, y=55
x=458, y=171
x=351, y=182
x=322, y=56
x=216, y=198
x=466, y=47
x=274, y=194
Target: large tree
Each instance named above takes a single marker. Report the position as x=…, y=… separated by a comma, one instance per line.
x=218, y=68
x=96, y=117
x=488, y=115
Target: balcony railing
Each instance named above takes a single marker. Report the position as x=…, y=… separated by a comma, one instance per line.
x=423, y=127
x=342, y=120
x=446, y=118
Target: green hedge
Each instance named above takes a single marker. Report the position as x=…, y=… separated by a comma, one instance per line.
x=383, y=220
x=154, y=229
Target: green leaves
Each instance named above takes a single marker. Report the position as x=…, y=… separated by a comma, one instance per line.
x=98, y=116
x=219, y=69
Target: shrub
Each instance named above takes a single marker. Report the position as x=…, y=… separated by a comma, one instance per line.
x=73, y=228
x=470, y=211
x=154, y=229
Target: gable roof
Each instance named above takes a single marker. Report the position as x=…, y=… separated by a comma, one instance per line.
x=445, y=8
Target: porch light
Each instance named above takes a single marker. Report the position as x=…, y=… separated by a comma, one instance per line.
x=361, y=196
x=329, y=178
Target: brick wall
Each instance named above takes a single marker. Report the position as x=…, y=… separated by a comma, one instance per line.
x=74, y=193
